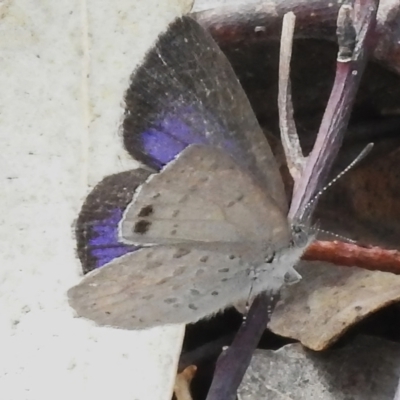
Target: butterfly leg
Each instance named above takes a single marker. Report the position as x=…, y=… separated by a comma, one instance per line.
x=253, y=275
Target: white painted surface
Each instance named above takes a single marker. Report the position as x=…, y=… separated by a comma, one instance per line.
x=64, y=66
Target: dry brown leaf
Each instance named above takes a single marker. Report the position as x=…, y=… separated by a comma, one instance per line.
x=329, y=300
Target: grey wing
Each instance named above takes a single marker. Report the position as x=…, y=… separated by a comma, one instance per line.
x=161, y=285
x=203, y=196
x=186, y=81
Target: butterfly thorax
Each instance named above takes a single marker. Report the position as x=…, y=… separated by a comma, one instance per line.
x=277, y=267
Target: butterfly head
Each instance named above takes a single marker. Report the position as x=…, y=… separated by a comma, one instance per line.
x=301, y=236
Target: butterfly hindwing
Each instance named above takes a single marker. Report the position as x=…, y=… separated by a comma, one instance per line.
x=161, y=285
x=203, y=196
x=97, y=224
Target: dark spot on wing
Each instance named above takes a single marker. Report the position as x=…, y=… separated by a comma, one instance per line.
x=192, y=307
x=141, y=226
x=224, y=279
x=204, y=259
x=146, y=211
x=171, y=300
x=179, y=271
x=223, y=270
x=181, y=253
x=149, y=254
x=156, y=195
x=108, y=312
x=232, y=257
x=173, y=232
x=148, y=296
x=183, y=198
x=240, y=197
x=214, y=293
x=200, y=271
x=194, y=292
x=153, y=264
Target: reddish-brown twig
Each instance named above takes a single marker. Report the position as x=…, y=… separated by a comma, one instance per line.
x=340, y=253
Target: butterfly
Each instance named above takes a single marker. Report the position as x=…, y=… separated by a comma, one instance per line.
x=210, y=227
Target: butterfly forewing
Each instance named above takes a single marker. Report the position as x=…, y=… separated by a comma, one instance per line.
x=203, y=196
x=186, y=92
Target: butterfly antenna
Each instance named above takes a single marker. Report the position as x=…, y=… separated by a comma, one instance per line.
x=342, y=238
x=363, y=153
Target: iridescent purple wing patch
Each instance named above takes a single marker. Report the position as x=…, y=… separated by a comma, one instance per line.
x=186, y=92
x=97, y=224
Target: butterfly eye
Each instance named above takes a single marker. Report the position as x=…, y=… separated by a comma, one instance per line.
x=300, y=236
